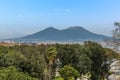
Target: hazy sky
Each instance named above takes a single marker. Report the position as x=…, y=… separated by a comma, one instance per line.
x=22, y=17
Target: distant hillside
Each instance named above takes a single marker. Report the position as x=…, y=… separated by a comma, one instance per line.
x=71, y=33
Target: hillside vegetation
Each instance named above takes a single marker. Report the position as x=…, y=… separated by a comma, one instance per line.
x=56, y=62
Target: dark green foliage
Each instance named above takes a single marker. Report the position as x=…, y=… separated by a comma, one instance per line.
x=33, y=62
x=51, y=54
x=26, y=58
x=99, y=60
x=6, y=57
x=41, y=61
x=75, y=56
x=11, y=73
x=68, y=72
x=58, y=78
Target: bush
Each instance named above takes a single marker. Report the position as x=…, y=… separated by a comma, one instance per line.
x=11, y=73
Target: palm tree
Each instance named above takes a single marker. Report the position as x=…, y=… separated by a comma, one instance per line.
x=51, y=53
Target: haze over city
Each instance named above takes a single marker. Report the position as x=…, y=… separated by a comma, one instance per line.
x=24, y=17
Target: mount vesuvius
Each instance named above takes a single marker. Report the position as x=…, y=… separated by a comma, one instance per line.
x=71, y=33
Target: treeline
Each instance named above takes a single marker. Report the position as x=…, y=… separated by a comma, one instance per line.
x=56, y=62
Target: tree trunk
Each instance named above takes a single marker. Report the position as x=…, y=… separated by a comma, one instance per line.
x=49, y=72
x=107, y=77
x=75, y=78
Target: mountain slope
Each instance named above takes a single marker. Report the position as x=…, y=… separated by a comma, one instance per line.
x=72, y=33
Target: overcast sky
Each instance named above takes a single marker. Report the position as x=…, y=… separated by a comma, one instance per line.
x=23, y=17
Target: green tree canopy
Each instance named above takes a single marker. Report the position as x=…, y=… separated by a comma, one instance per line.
x=68, y=72
x=76, y=56
x=11, y=73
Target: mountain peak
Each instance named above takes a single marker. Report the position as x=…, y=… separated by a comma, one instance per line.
x=51, y=28
x=75, y=28
x=71, y=33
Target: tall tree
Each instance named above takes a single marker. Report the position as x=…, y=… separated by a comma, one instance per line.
x=97, y=58
x=116, y=36
x=51, y=53
x=76, y=56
